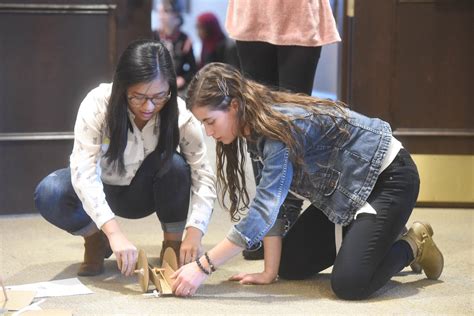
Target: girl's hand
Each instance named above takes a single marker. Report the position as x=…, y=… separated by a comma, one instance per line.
x=254, y=278
x=125, y=252
x=191, y=247
x=272, y=253
x=188, y=279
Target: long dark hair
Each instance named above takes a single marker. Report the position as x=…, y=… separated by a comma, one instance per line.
x=141, y=62
x=215, y=86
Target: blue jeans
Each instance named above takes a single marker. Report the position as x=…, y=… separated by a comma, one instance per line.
x=166, y=194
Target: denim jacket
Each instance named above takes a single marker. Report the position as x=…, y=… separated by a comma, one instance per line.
x=339, y=173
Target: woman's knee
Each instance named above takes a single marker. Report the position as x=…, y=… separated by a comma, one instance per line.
x=178, y=170
x=58, y=203
x=49, y=191
x=179, y=165
x=350, y=286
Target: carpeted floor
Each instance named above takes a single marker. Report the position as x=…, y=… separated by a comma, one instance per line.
x=32, y=250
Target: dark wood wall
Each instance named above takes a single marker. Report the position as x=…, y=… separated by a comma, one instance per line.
x=410, y=62
x=51, y=54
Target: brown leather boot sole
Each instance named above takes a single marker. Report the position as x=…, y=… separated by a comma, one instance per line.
x=90, y=269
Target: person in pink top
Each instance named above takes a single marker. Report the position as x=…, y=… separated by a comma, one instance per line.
x=279, y=43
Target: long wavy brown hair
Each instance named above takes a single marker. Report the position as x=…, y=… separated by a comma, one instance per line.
x=215, y=86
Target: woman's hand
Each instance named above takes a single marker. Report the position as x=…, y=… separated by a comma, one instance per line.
x=191, y=247
x=254, y=278
x=125, y=252
x=188, y=279
x=272, y=254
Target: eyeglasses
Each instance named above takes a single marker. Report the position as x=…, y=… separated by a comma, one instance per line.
x=139, y=100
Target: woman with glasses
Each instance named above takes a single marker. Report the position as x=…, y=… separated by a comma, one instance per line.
x=125, y=163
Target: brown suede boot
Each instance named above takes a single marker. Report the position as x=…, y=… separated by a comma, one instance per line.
x=97, y=248
x=415, y=266
x=174, y=244
x=425, y=251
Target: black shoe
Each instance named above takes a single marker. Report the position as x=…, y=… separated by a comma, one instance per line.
x=256, y=254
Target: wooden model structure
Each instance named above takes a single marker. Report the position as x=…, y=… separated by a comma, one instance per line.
x=161, y=277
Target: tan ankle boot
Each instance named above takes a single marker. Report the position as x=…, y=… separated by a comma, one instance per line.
x=97, y=248
x=415, y=267
x=174, y=244
x=425, y=251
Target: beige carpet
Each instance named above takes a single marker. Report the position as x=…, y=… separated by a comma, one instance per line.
x=32, y=250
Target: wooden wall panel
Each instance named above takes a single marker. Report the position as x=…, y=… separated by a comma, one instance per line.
x=410, y=63
x=433, y=101
x=434, y=65
x=24, y=164
x=50, y=62
x=52, y=53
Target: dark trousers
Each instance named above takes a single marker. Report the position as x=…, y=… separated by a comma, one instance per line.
x=289, y=67
x=370, y=253
x=166, y=194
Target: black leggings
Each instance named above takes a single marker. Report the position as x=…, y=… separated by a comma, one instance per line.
x=289, y=67
x=370, y=253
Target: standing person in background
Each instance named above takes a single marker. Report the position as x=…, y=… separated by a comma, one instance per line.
x=279, y=44
x=216, y=47
x=176, y=41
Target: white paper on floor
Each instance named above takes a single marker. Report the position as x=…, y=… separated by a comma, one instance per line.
x=33, y=307
x=65, y=287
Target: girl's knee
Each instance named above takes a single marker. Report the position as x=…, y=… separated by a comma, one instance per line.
x=349, y=287
x=178, y=170
x=43, y=192
x=48, y=191
x=179, y=164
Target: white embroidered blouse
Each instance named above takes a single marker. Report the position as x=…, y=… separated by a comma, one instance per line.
x=89, y=171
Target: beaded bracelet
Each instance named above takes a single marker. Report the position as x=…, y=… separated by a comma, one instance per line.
x=202, y=268
x=211, y=265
